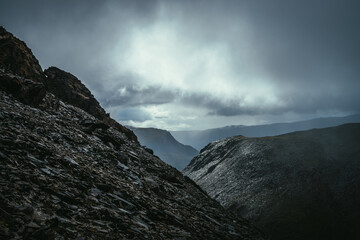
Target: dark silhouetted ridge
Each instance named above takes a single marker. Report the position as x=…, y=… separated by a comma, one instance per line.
x=165, y=146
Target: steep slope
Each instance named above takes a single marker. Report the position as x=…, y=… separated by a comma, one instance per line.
x=65, y=174
x=302, y=185
x=199, y=139
x=165, y=146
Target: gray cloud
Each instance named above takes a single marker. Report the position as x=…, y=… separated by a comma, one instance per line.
x=286, y=55
x=303, y=102
x=132, y=95
x=76, y=35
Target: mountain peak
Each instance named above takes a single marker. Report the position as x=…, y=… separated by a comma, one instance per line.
x=17, y=58
x=22, y=76
x=71, y=90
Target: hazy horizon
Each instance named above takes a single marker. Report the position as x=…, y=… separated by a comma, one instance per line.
x=254, y=125
x=195, y=65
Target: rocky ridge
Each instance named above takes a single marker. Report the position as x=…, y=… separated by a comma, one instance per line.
x=302, y=185
x=68, y=173
x=71, y=90
x=25, y=79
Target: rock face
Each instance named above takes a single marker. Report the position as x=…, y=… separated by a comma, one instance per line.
x=71, y=90
x=67, y=174
x=302, y=185
x=16, y=57
x=25, y=90
x=165, y=146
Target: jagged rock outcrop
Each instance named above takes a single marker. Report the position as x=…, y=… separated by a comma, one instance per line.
x=302, y=185
x=25, y=90
x=71, y=90
x=65, y=174
x=21, y=74
x=17, y=58
x=165, y=146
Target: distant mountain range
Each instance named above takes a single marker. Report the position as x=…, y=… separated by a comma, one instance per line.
x=301, y=185
x=199, y=139
x=165, y=146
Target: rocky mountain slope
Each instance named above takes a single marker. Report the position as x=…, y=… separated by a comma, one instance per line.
x=68, y=171
x=302, y=185
x=199, y=139
x=165, y=146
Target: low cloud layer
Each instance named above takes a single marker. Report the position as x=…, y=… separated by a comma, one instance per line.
x=201, y=64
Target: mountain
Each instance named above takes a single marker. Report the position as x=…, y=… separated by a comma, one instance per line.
x=199, y=139
x=165, y=146
x=301, y=185
x=69, y=171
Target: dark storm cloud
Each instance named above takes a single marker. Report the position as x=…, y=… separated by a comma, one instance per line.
x=303, y=102
x=307, y=51
x=134, y=95
x=306, y=41
x=75, y=35
x=219, y=107
x=301, y=45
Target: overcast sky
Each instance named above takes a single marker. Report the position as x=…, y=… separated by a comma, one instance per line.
x=181, y=65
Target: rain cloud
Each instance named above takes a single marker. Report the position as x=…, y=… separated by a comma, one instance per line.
x=201, y=64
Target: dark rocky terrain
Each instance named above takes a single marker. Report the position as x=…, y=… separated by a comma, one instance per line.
x=302, y=185
x=165, y=146
x=16, y=57
x=199, y=139
x=68, y=171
